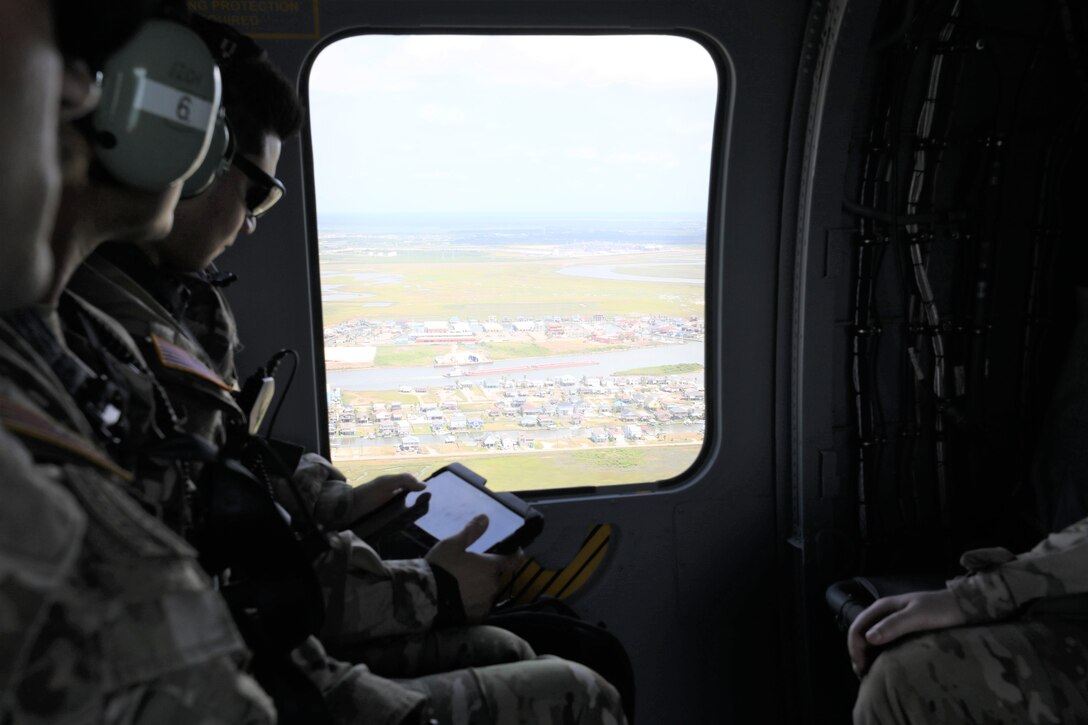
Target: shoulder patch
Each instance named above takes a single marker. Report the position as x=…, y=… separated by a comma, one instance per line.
x=26, y=422
x=176, y=358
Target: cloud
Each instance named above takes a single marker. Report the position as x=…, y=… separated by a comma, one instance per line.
x=644, y=158
x=442, y=115
x=512, y=122
x=633, y=61
x=390, y=63
x=584, y=153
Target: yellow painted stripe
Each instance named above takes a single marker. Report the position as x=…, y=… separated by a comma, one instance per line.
x=524, y=577
x=537, y=586
x=532, y=581
x=579, y=581
x=597, y=539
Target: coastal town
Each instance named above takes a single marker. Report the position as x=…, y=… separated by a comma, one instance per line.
x=513, y=405
x=597, y=329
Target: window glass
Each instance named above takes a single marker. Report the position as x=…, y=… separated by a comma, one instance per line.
x=512, y=244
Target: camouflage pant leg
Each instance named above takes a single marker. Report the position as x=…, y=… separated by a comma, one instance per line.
x=1027, y=671
x=542, y=691
x=439, y=650
x=215, y=693
x=353, y=694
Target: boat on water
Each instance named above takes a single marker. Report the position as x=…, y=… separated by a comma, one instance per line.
x=534, y=366
x=461, y=359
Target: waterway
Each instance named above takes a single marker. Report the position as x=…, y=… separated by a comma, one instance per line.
x=470, y=439
x=609, y=271
x=608, y=363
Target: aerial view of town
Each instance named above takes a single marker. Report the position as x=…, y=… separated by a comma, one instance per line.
x=541, y=352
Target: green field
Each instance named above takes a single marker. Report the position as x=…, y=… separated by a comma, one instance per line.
x=664, y=271
x=505, y=283
x=681, y=369
x=549, y=470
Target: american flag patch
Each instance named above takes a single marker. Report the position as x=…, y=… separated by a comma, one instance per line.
x=173, y=357
x=28, y=423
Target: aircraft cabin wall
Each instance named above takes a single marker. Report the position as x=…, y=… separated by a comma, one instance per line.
x=937, y=379
x=694, y=580
x=887, y=312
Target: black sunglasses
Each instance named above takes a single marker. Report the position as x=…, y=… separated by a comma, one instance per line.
x=264, y=190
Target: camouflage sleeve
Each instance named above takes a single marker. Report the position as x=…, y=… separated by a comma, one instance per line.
x=378, y=598
x=1001, y=583
x=41, y=532
x=325, y=491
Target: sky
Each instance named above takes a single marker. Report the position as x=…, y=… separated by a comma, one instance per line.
x=540, y=124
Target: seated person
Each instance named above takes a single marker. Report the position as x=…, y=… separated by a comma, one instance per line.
x=148, y=290
x=106, y=615
x=1007, y=643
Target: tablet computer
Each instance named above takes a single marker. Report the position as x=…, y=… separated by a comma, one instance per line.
x=457, y=495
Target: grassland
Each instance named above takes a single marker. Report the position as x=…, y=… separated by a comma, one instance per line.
x=680, y=369
x=475, y=285
x=546, y=470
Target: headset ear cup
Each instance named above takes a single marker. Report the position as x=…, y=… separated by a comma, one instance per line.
x=160, y=102
x=216, y=162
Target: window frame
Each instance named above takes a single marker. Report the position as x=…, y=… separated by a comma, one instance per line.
x=712, y=270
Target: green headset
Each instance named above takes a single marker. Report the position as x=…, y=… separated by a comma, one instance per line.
x=160, y=106
x=227, y=45
x=216, y=162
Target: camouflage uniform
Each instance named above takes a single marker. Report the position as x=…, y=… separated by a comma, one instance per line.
x=41, y=534
x=542, y=691
x=391, y=605
x=1021, y=658
x=386, y=610
x=105, y=616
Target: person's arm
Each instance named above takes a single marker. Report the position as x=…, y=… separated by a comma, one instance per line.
x=479, y=577
x=381, y=598
x=335, y=503
x=1001, y=583
x=889, y=618
x=998, y=585
x=41, y=534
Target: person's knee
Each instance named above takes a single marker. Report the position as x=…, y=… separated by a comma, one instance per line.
x=876, y=695
x=502, y=646
x=594, y=699
x=909, y=682
x=547, y=690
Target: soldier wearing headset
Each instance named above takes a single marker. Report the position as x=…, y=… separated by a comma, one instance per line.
x=161, y=291
x=106, y=615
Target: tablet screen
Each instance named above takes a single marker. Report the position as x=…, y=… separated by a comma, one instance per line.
x=454, y=502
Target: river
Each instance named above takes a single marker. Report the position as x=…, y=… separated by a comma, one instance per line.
x=608, y=271
x=469, y=439
x=608, y=363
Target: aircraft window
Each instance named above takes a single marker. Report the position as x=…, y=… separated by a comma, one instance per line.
x=512, y=254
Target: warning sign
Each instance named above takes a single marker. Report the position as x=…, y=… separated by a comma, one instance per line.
x=264, y=19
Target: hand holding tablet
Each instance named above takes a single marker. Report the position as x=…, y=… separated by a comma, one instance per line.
x=457, y=496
